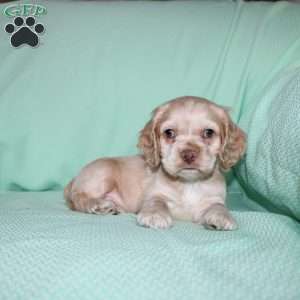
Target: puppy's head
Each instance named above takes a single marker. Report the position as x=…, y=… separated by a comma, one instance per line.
x=189, y=137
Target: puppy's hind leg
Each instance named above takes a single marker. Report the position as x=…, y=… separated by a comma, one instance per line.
x=107, y=204
x=105, y=201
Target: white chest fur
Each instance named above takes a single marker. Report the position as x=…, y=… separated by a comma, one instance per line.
x=194, y=198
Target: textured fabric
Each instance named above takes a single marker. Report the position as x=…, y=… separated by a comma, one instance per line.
x=271, y=170
x=50, y=252
x=101, y=67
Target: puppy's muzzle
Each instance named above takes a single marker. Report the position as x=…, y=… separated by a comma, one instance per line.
x=189, y=156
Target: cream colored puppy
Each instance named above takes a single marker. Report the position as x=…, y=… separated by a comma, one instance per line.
x=185, y=147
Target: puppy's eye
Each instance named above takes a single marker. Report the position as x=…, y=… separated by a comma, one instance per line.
x=208, y=133
x=169, y=134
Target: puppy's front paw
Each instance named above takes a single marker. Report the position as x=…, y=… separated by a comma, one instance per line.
x=156, y=220
x=219, y=219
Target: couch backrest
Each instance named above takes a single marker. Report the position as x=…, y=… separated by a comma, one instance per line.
x=101, y=67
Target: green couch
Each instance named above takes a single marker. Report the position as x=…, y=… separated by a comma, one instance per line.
x=88, y=88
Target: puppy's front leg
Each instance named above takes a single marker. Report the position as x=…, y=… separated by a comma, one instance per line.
x=218, y=217
x=155, y=214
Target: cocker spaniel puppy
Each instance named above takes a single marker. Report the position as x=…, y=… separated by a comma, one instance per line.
x=186, y=146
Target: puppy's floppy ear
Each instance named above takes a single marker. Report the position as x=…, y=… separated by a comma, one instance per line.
x=149, y=140
x=233, y=141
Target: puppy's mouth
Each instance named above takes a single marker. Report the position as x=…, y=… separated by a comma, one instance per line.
x=183, y=171
x=189, y=173
x=193, y=173
x=189, y=168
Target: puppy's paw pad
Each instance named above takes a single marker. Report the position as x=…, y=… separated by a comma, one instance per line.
x=154, y=220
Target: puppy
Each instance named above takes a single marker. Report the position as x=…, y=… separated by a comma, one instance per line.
x=185, y=147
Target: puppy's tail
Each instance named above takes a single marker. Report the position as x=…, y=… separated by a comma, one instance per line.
x=67, y=194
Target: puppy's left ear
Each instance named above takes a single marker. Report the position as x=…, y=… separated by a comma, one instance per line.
x=233, y=141
x=149, y=142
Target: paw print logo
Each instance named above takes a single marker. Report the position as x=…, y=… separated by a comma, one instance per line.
x=24, y=31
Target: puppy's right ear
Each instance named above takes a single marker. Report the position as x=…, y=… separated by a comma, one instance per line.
x=234, y=144
x=149, y=143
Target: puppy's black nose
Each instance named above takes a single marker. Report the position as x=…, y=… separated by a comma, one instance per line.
x=189, y=155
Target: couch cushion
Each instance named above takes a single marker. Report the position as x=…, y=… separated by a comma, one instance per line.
x=50, y=252
x=101, y=67
x=270, y=171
